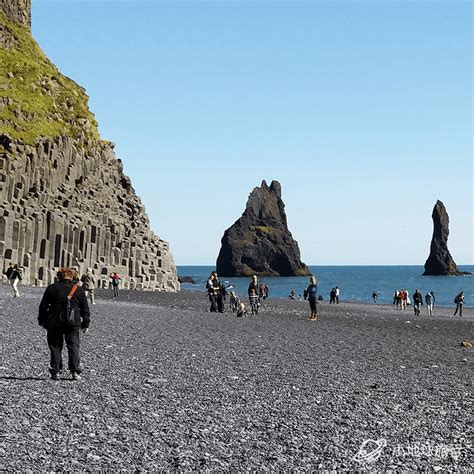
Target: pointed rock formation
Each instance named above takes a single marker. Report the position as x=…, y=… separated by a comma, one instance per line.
x=440, y=261
x=64, y=198
x=260, y=242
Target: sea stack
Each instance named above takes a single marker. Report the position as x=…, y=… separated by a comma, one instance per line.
x=440, y=261
x=65, y=200
x=260, y=241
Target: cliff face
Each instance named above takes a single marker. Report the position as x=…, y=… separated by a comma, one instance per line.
x=260, y=242
x=440, y=261
x=18, y=11
x=65, y=199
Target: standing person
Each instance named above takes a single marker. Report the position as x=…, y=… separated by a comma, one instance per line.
x=13, y=275
x=459, y=300
x=213, y=290
x=253, y=294
x=332, y=296
x=337, y=294
x=115, y=277
x=312, y=294
x=395, y=297
x=417, y=301
x=265, y=292
x=261, y=292
x=64, y=311
x=88, y=284
x=433, y=296
x=403, y=299
x=253, y=286
x=429, y=303
x=374, y=296
x=407, y=298
x=221, y=296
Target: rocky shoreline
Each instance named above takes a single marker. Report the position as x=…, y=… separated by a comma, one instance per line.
x=168, y=385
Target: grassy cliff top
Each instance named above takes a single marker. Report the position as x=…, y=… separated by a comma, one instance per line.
x=36, y=100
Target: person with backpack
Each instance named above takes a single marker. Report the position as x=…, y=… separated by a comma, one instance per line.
x=311, y=293
x=13, y=275
x=417, y=301
x=88, y=284
x=459, y=300
x=64, y=312
x=429, y=300
x=115, y=277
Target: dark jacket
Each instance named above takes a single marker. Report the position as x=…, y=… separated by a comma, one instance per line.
x=55, y=300
x=417, y=298
x=12, y=273
x=253, y=287
x=312, y=292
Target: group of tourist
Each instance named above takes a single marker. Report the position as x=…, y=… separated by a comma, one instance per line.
x=64, y=309
x=88, y=281
x=217, y=293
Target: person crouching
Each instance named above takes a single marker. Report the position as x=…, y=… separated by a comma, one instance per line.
x=64, y=311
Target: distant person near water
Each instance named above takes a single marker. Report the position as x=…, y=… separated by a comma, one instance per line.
x=430, y=300
x=311, y=293
x=88, y=284
x=63, y=312
x=459, y=300
x=337, y=294
x=332, y=296
x=253, y=294
x=374, y=296
x=292, y=295
x=213, y=290
x=13, y=275
x=417, y=301
x=115, y=277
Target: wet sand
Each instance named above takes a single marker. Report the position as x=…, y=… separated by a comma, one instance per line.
x=168, y=385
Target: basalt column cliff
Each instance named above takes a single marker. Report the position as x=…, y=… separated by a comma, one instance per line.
x=260, y=241
x=64, y=197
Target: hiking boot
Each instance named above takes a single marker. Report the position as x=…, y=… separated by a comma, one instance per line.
x=76, y=377
x=54, y=376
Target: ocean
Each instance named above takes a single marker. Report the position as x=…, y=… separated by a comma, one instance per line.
x=356, y=283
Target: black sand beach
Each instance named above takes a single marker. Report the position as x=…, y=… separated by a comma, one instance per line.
x=168, y=385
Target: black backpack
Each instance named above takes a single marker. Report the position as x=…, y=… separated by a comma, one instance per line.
x=66, y=317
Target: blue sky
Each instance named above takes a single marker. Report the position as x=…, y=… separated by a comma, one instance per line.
x=362, y=110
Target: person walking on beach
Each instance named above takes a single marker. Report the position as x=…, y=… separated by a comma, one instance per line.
x=253, y=294
x=429, y=300
x=115, y=277
x=213, y=290
x=459, y=300
x=13, y=275
x=221, y=296
x=417, y=301
x=265, y=292
x=374, y=296
x=63, y=312
x=337, y=292
x=88, y=284
x=312, y=294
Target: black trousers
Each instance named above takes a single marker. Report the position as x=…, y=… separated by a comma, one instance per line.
x=313, y=305
x=56, y=338
x=213, y=300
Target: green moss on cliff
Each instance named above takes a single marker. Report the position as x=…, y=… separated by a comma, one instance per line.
x=36, y=100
